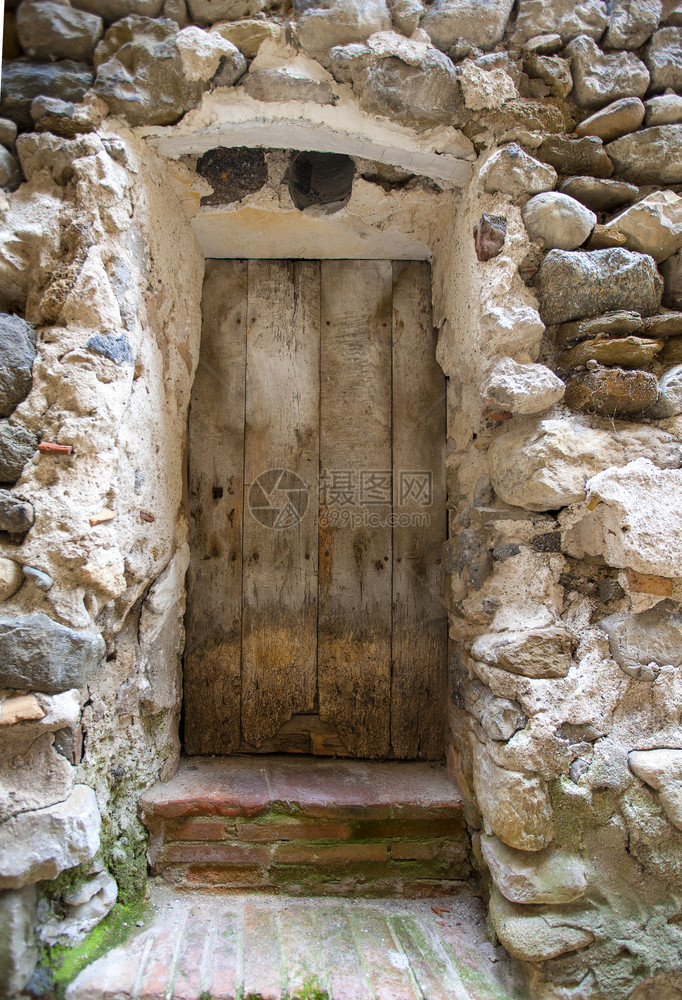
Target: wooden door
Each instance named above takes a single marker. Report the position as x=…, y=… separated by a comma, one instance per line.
x=315, y=621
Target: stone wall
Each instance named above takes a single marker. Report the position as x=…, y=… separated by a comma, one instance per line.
x=532, y=150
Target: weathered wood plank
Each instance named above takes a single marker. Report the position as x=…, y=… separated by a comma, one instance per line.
x=216, y=450
x=354, y=630
x=419, y=674
x=279, y=632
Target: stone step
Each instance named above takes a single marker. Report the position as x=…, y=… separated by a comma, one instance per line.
x=308, y=827
x=200, y=946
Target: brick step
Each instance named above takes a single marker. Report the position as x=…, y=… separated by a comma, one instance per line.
x=203, y=947
x=308, y=827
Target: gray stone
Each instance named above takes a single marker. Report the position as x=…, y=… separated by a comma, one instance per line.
x=544, y=45
x=611, y=392
x=176, y=10
x=549, y=876
x=597, y=193
x=664, y=59
x=532, y=936
x=618, y=323
x=669, y=403
x=573, y=285
x=17, y=446
x=41, y=151
x=50, y=30
x=39, y=844
x=600, y=78
x=40, y=579
x=85, y=908
x=632, y=22
x=18, y=945
x=570, y=155
x=411, y=84
x=282, y=83
x=16, y=516
x=552, y=70
x=8, y=132
x=116, y=349
x=512, y=171
x=661, y=769
x=671, y=270
x=557, y=221
x=641, y=644
x=652, y=156
x=619, y=118
x=23, y=80
x=39, y=654
x=211, y=11
x=66, y=119
x=10, y=174
x=114, y=10
x=479, y=24
x=516, y=806
x=567, y=18
x=499, y=717
x=17, y=353
x=529, y=652
x=406, y=15
x=665, y=109
x=140, y=72
x=325, y=24
x=248, y=35
x=653, y=225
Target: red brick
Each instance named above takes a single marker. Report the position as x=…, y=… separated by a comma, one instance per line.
x=340, y=854
x=239, y=854
x=292, y=830
x=223, y=972
x=195, y=829
x=411, y=851
x=236, y=876
x=418, y=829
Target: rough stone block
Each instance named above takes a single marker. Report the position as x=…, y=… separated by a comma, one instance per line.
x=664, y=59
x=612, y=392
x=567, y=18
x=550, y=876
x=653, y=225
x=324, y=24
x=651, y=156
x=516, y=806
x=16, y=516
x=641, y=644
x=631, y=22
x=479, y=24
x=600, y=78
x=39, y=654
x=619, y=118
x=23, y=80
x=17, y=353
x=17, y=446
x=535, y=937
x=49, y=30
x=557, y=221
x=18, y=945
x=531, y=653
x=512, y=171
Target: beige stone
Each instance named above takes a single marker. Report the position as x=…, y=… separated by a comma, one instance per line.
x=664, y=109
x=662, y=770
x=628, y=352
x=11, y=578
x=23, y=708
x=522, y=388
x=248, y=35
x=653, y=225
x=534, y=937
x=532, y=653
x=611, y=391
x=558, y=221
x=485, y=89
x=549, y=876
x=512, y=171
x=619, y=118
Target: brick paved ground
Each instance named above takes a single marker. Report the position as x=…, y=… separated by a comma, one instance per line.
x=203, y=946
x=309, y=827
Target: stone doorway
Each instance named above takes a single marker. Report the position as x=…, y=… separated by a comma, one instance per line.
x=315, y=620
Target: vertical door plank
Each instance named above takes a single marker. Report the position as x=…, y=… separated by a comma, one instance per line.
x=279, y=634
x=354, y=630
x=418, y=684
x=216, y=464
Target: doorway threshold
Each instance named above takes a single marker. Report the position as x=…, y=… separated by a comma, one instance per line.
x=309, y=826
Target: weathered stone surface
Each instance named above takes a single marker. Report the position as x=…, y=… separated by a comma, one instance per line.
x=84, y=908
x=605, y=238
x=40, y=844
x=531, y=653
x=619, y=118
x=499, y=717
x=288, y=83
x=407, y=81
x=549, y=876
x=38, y=577
x=16, y=516
x=552, y=70
x=20, y=708
x=661, y=770
x=489, y=235
x=479, y=24
x=514, y=329
x=249, y=34
x=114, y=10
x=664, y=59
x=573, y=285
x=544, y=45
x=23, y=80
x=17, y=446
x=632, y=22
x=210, y=11
x=671, y=270
x=669, y=403
x=665, y=109
x=627, y=352
x=17, y=352
x=324, y=24
x=665, y=324
x=18, y=945
x=612, y=391
x=557, y=221
x=643, y=643
x=8, y=132
x=652, y=156
x=576, y=156
x=176, y=10
x=50, y=30
x=202, y=53
x=672, y=352
x=614, y=324
x=514, y=172
x=600, y=78
x=534, y=937
x=485, y=89
x=10, y=174
x=524, y=389
x=406, y=15
x=39, y=654
x=653, y=225
x=11, y=578
x=515, y=806
x=567, y=18
x=544, y=465
x=599, y=194
x=64, y=118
